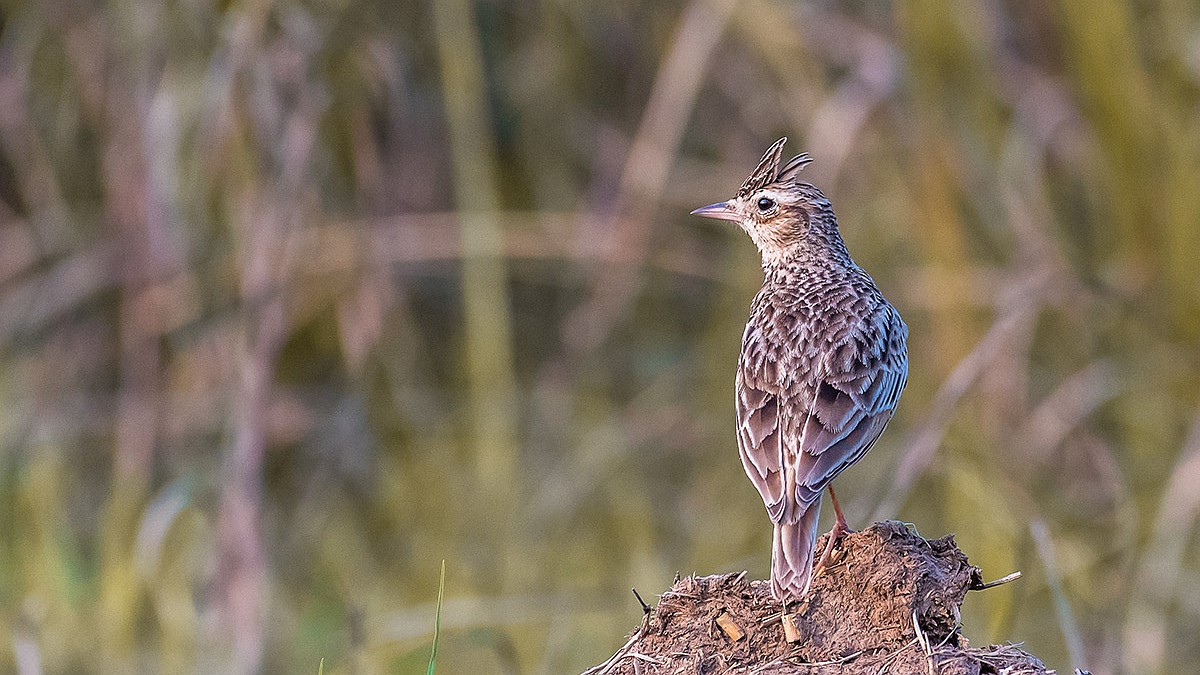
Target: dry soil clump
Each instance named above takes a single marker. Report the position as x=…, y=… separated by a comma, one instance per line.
x=889, y=604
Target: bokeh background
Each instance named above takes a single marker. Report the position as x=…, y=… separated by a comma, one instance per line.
x=299, y=298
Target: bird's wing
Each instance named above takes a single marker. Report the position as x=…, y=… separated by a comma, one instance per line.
x=760, y=436
x=795, y=445
x=859, y=383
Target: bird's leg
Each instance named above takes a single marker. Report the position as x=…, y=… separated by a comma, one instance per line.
x=839, y=530
x=839, y=524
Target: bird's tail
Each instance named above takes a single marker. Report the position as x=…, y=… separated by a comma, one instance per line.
x=792, y=556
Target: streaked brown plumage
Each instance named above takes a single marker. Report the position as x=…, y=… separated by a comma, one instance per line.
x=822, y=365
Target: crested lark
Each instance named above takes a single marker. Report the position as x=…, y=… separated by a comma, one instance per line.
x=822, y=365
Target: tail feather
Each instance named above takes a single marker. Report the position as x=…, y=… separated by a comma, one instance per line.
x=792, y=556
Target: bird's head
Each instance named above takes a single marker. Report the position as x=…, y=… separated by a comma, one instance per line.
x=783, y=215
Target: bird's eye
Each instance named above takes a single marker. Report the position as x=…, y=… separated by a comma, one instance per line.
x=766, y=204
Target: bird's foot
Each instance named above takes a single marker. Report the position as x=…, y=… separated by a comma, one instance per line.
x=836, y=534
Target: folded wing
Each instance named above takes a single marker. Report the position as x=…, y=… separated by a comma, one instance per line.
x=797, y=441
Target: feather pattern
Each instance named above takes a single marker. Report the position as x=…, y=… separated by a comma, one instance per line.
x=815, y=389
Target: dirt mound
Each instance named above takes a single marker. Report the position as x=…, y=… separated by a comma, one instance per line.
x=889, y=604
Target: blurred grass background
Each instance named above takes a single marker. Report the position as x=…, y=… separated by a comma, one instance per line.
x=298, y=299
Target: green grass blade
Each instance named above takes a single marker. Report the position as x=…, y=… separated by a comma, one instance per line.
x=437, y=621
x=321, y=668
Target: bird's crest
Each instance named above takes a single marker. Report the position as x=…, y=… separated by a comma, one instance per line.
x=768, y=170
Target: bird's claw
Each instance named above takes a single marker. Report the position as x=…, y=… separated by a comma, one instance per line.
x=839, y=531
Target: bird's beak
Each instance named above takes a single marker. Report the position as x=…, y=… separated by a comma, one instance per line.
x=720, y=211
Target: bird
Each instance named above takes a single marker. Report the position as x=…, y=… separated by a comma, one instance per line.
x=823, y=362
